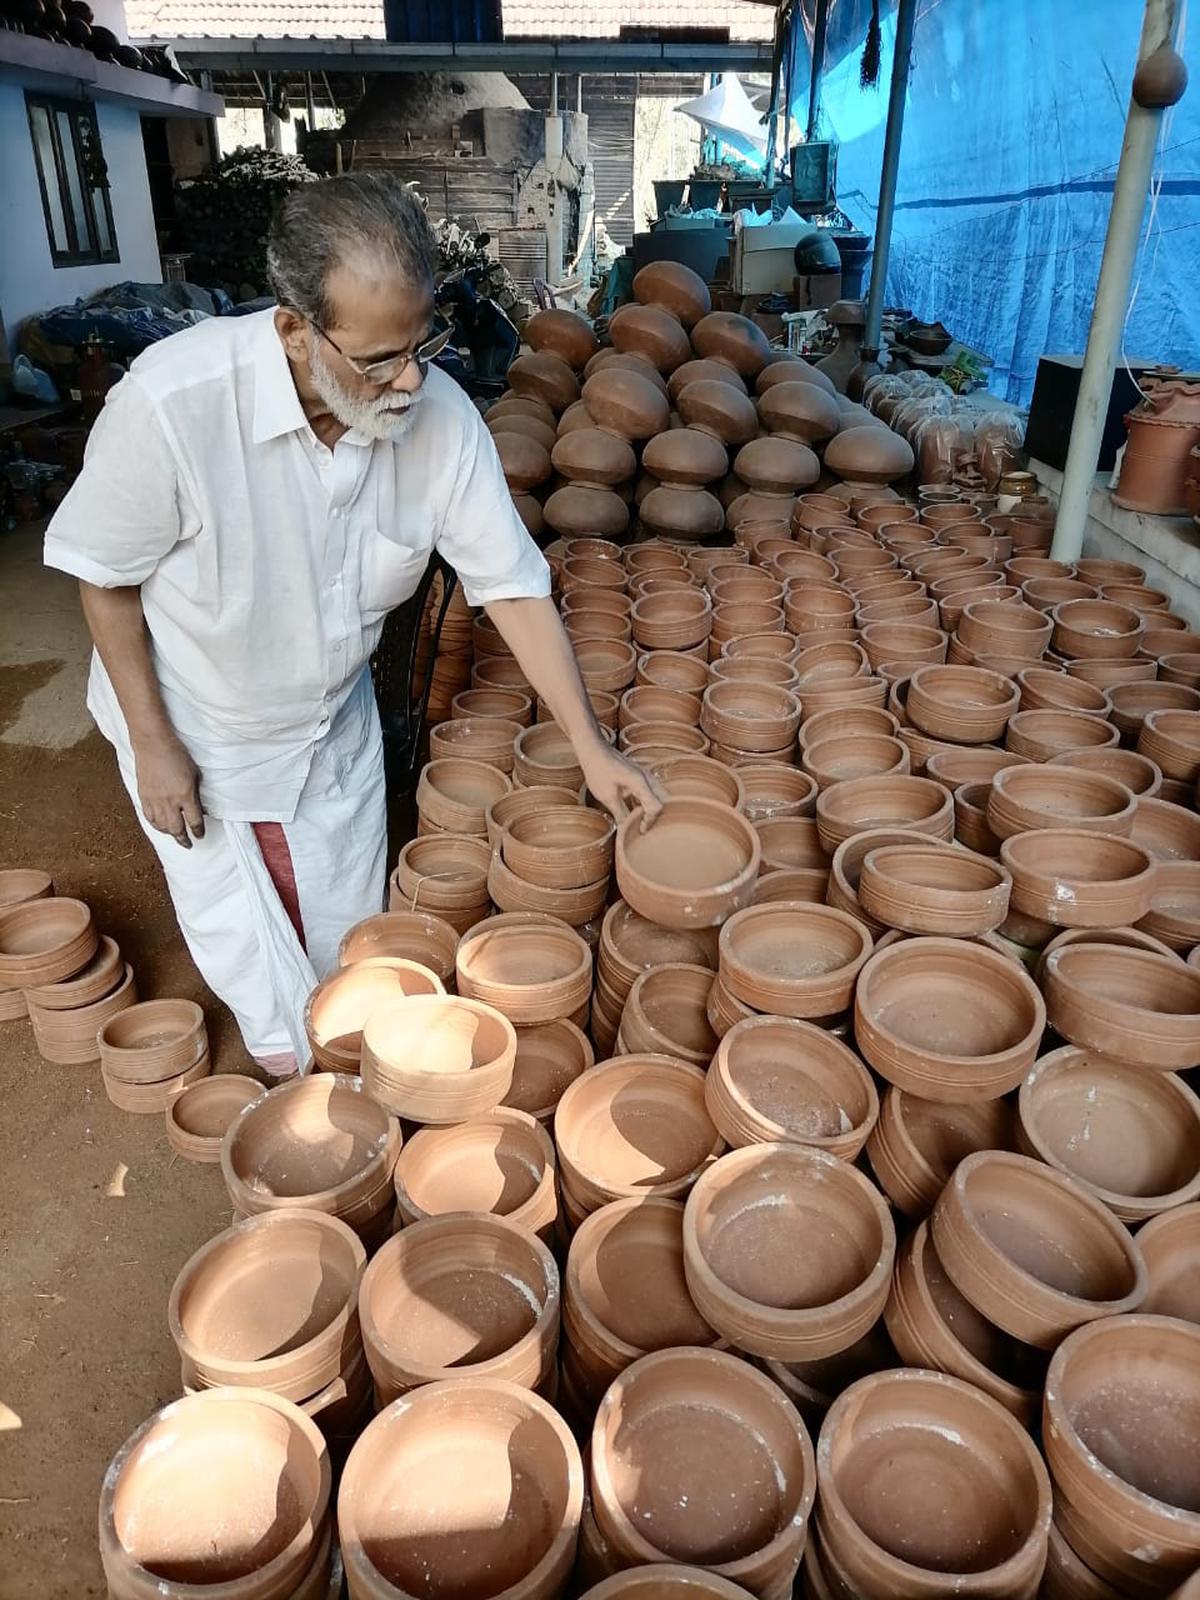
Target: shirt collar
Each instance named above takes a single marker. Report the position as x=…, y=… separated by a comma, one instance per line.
x=277, y=408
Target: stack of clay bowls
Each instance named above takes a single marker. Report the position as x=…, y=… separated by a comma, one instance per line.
x=631, y=944
x=437, y=1059
x=151, y=1052
x=67, y=1016
x=416, y=936
x=554, y=859
x=57, y=969
x=19, y=885
x=272, y=1303
x=501, y=1162
x=446, y=874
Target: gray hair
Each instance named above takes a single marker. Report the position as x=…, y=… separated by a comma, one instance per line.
x=320, y=225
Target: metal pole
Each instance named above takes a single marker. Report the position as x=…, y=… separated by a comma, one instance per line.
x=1112, y=296
x=906, y=15
x=820, y=26
x=310, y=103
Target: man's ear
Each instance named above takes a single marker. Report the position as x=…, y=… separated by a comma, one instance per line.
x=293, y=331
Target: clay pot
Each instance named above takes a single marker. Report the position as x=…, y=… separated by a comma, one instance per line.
x=1043, y=690
x=726, y=336
x=1004, y=628
x=665, y=1014
x=1031, y=796
x=1170, y=1246
x=778, y=1080
x=648, y=742
x=438, y=1058
x=501, y=1163
x=529, y=968
x=45, y=940
x=963, y=704
x=1171, y=739
x=859, y=804
x=1131, y=1139
x=410, y=1519
x=868, y=455
x=929, y=890
x=1131, y=702
x=338, y=1008
x=917, y=1143
x=19, y=884
x=484, y=739
x=625, y=403
x=1182, y=667
x=635, y=1125
x=1120, y=1438
x=593, y=458
x=1168, y=831
x=697, y=1457
x=750, y=717
x=1038, y=735
x=415, y=936
x=199, y=1117
x=608, y=665
x=933, y=1326
x=650, y=332
x=550, y=1056
x=1137, y=1007
x=1084, y=628
x=799, y=411
x=1174, y=915
x=1138, y=773
x=834, y=760
x=898, y=1441
x=671, y=669
x=227, y=1489
x=948, y=1020
x=153, y=1099
x=693, y=868
x=699, y=777
x=976, y=764
x=559, y=847
x=911, y=643
x=753, y=1288
x=564, y=333
x=454, y=795
x=1046, y=593
x=794, y=369
x=152, y=1041
x=793, y=960
x=685, y=456
x=1106, y=674
x=676, y=620
x=718, y=408
x=1059, y=1259
x=674, y=287
x=70, y=1037
x=818, y=610
x=1076, y=879
x=544, y=754
x=772, y=791
x=544, y=376
x=462, y=1292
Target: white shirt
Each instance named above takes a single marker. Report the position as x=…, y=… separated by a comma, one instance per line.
x=268, y=562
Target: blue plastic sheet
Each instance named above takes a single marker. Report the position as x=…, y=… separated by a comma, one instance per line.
x=1013, y=128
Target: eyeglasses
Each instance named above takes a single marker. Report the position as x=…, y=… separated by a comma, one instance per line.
x=389, y=369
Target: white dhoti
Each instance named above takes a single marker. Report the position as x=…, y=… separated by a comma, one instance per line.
x=230, y=912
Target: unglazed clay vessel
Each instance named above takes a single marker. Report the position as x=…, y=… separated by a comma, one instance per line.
x=625, y=403
x=564, y=333
x=726, y=336
x=1140, y=1008
x=674, y=287
x=653, y=333
x=793, y=960
x=692, y=868
x=917, y=1143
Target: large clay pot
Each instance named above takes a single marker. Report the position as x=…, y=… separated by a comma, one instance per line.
x=726, y=336
x=652, y=333
x=718, y=408
x=800, y=411
x=776, y=466
x=623, y=402
x=849, y=317
x=546, y=377
x=564, y=333
x=868, y=455
x=694, y=371
x=629, y=361
x=793, y=369
x=579, y=509
x=593, y=457
x=682, y=512
x=685, y=456
x=674, y=287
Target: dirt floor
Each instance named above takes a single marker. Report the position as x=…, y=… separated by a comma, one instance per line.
x=96, y=1213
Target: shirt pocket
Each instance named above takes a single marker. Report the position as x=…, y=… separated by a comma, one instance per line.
x=390, y=573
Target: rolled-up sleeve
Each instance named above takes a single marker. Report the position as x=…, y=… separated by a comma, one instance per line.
x=480, y=533
x=121, y=515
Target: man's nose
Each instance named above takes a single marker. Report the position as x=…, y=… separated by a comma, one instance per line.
x=409, y=381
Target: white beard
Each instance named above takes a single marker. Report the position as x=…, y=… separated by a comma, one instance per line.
x=387, y=417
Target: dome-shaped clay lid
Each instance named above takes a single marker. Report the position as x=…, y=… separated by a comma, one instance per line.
x=630, y=360
x=625, y=403
x=793, y=369
x=685, y=455
x=718, y=408
x=651, y=332
x=573, y=418
x=589, y=455
x=577, y=509
x=511, y=404
x=546, y=377
x=851, y=312
x=686, y=513
x=868, y=455
x=726, y=336
x=530, y=512
x=564, y=333
x=530, y=427
x=693, y=371
x=776, y=466
x=525, y=462
x=800, y=411
x=676, y=288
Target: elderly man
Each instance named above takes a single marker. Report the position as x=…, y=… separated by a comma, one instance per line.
x=259, y=492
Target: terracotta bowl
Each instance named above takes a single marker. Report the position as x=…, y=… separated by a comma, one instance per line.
x=624, y=1290
x=1039, y=735
x=509, y=705
x=672, y=669
x=411, y=1520
x=846, y=869
x=1096, y=628
x=1076, y=879
x=947, y=1019
x=795, y=960
x=1033, y=1250
x=915, y=804
x=606, y=664
x=198, y=1118
x=700, y=778
x=1131, y=1138
x=635, y=1125
x=665, y=1014
x=1106, y=674
x=454, y=795
x=850, y=721
x=650, y=703
x=485, y=739
x=916, y=1144
x=529, y=967
x=662, y=1580
x=550, y=1055
x=752, y=1286
x=461, y=1292
x=965, y=704
x=225, y=1491
x=898, y=1443
x=152, y=1041
x=928, y=889
x=697, y=1457
x=438, y=1058
x=750, y=716
x=692, y=868
x=45, y=940
x=1139, y=774
x=501, y=1162
x=1121, y=1436
x=807, y=885
x=933, y=1326
x=1172, y=740
x=969, y=765
x=1169, y=832
x=772, y=790
x=1035, y=796
x=1046, y=690
x=1139, y=1008
x=1170, y=1246
x=1004, y=628
x=559, y=847
x=836, y=759
x=778, y=1080
x=338, y=1008
x=1046, y=593
x=1131, y=702
x=1174, y=915
x=271, y=1303
x=19, y=884
x=629, y=943
x=544, y=754
x=412, y=935
x=444, y=872
x=672, y=620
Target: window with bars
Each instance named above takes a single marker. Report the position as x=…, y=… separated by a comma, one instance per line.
x=73, y=179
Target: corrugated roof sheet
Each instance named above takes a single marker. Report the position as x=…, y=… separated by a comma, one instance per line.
x=363, y=19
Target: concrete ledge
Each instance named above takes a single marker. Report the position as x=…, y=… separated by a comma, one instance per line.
x=48, y=65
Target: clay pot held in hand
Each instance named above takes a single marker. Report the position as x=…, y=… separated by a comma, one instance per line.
x=692, y=868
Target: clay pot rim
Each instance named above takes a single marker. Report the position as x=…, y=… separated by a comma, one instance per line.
x=795, y=912
x=903, y=1573
x=525, y=1123
x=228, y=1243
x=830, y=1043
x=291, y=1557
x=18, y=965
x=1124, y=798
x=669, y=1579
x=216, y=1085
x=1014, y=849
x=1130, y=1208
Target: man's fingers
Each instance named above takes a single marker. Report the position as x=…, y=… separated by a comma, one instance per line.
x=193, y=815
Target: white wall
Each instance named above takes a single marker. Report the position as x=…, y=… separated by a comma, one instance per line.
x=28, y=280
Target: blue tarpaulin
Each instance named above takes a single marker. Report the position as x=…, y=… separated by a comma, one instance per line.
x=1013, y=128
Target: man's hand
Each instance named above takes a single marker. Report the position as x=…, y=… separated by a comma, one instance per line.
x=169, y=789
x=617, y=784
